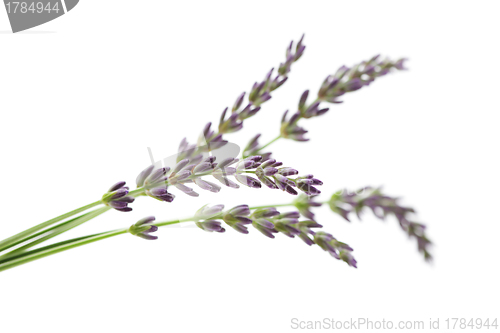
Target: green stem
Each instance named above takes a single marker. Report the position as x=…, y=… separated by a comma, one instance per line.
x=45, y=231
x=7, y=243
x=164, y=223
x=25, y=257
x=268, y=144
x=60, y=229
x=56, y=248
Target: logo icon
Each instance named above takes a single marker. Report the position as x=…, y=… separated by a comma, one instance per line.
x=27, y=14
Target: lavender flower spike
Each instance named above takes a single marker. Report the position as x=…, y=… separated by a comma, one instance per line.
x=345, y=203
x=117, y=198
x=324, y=241
x=143, y=228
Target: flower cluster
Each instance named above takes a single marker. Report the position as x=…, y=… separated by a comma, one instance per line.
x=382, y=206
x=269, y=221
x=270, y=172
x=337, y=249
x=273, y=175
x=351, y=79
x=290, y=129
x=143, y=228
x=343, y=81
x=117, y=197
x=260, y=92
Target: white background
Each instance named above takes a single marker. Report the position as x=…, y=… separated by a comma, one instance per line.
x=83, y=97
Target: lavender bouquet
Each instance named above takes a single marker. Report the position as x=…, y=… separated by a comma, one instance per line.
x=213, y=157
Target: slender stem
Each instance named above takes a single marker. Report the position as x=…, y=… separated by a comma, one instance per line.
x=45, y=231
x=269, y=143
x=56, y=248
x=25, y=257
x=19, y=258
x=60, y=229
x=279, y=136
x=164, y=223
x=6, y=243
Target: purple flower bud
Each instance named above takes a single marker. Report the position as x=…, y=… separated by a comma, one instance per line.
x=311, y=110
x=158, y=191
x=184, y=188
x=286, y=229
x=268, y=182
x=202, y=184
x=353, y=85
x=213, y=187
x=294, y=215
x=265, y=223
x=265, y=231
x=269, y=171
x=145, y=220
x=245, y=164
x=210, y=226
x=238, y=102
x=306, y=238
x=121, y=192
x=207, y=212
x=322, y=111
x=117, y=197
x=400, y=64
x=282, y=179
x=265, y=213
x=143, y=175
x=241, y=210
x=118, y=204
x=303, y=99
x=248, y=181
x=142, y=228
x=268, y=163
x=240, y=228
x=290, y=190
x=307, y=189
x=178, y=167
x=287, y=172
x=202, y=167
x=341, y=72
x=157, y=174
x=127, y=199
x=116, y=186
x=348, y=258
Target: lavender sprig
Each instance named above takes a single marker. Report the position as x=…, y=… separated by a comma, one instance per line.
x=382, y=206
x=269, y=221
x=259, y=94
x=156, y=182
x=261, y=91
x=343, y=81
x=255, y=169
